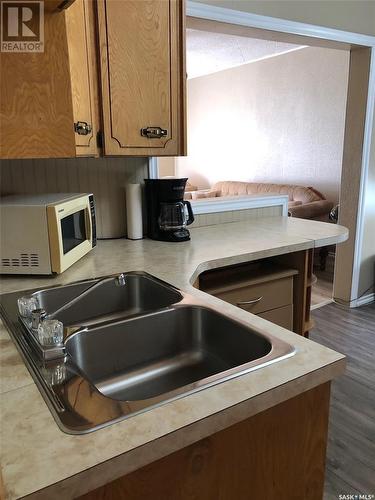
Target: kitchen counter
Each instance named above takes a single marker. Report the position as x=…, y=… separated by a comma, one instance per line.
x=38, y=459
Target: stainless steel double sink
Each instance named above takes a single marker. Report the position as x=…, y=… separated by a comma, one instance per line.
x=132, y=346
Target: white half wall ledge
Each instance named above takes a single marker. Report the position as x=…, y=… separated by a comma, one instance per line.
x=230, y=203
x=225, y=15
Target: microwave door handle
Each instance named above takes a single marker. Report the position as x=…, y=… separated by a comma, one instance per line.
x=89, y=223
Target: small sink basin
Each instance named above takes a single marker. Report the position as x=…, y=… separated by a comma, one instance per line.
x=164, y=351
x=102, y=300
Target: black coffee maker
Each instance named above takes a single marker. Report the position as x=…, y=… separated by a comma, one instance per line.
x=168, y=213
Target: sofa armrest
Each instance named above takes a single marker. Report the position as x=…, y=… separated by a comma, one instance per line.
x=311, y=210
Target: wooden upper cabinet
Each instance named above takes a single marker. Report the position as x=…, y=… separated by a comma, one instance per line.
x=142, y=71
x=35, y=98
x=133, y=51
x=80, y=25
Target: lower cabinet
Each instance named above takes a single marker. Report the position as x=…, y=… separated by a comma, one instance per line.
x=277, y=289
x=282, y=316
x=277, y=454
x=263, y=288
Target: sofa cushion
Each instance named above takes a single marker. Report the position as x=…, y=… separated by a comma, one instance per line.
x=316, y=209
x=196, y=195
x=306, y=194
x=294, y=203
x=295, y=193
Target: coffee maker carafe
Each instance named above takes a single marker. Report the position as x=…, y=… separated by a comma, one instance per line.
x=168, y=213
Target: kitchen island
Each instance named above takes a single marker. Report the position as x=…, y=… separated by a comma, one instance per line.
x=39, y=460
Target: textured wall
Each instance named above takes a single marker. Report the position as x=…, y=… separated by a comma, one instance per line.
x=105, y=177
x=276, y=120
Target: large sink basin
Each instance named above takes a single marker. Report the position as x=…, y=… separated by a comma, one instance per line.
x=133, y=345
x=158, y=353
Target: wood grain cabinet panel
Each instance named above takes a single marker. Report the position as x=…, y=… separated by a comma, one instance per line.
x=281, y=281
x=142, y=76
x=278, y=454
x=80, y=25
x=262, y=296
x=35, y=98
x=260, y=288
x=282, y=316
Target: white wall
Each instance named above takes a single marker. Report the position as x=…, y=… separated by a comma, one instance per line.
x=277, y=120
x=367, y=270
x=166, y=166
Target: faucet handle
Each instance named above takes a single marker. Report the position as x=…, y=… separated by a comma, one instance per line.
x=26, y=305
x=50, y=332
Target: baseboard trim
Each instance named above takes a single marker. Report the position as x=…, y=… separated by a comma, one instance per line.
x=321, y=304
x=362, y=301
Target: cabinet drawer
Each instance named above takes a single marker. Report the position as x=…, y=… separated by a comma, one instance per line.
x=282, y=316
x=260, y=297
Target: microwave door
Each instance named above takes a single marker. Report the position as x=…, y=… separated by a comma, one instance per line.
x=73, y=230
x=70, y=233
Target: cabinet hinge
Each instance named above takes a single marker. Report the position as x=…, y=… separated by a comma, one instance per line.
x=99, y=139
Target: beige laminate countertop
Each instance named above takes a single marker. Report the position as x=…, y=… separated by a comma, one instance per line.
x=39, y=460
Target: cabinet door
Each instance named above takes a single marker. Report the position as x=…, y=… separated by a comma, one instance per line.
x=80, y=25
x=143, y=76
x=36, y=116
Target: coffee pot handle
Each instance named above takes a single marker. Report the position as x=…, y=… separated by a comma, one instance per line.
x=190, y=212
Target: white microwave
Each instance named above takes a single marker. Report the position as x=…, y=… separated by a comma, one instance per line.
x=45, y=233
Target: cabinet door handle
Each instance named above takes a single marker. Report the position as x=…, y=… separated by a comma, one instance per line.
x=249, y=302
x=82, y=128
x=154, y=132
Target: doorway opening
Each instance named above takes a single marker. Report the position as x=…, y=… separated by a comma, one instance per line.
x=267, y=110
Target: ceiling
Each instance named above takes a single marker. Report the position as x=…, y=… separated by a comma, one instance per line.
x=209, y=52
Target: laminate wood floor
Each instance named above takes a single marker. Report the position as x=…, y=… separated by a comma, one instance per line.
x=351, y=441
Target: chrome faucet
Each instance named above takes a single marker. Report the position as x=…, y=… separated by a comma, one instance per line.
x=45, y=328
x=120, y=280
x=37, y=317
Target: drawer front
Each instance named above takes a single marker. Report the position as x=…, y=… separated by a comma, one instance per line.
x=282, y=316
x=261, y=297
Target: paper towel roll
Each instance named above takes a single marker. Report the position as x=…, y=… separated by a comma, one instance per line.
x=134, y=211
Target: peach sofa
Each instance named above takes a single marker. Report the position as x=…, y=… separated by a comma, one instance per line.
x=304, y=202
